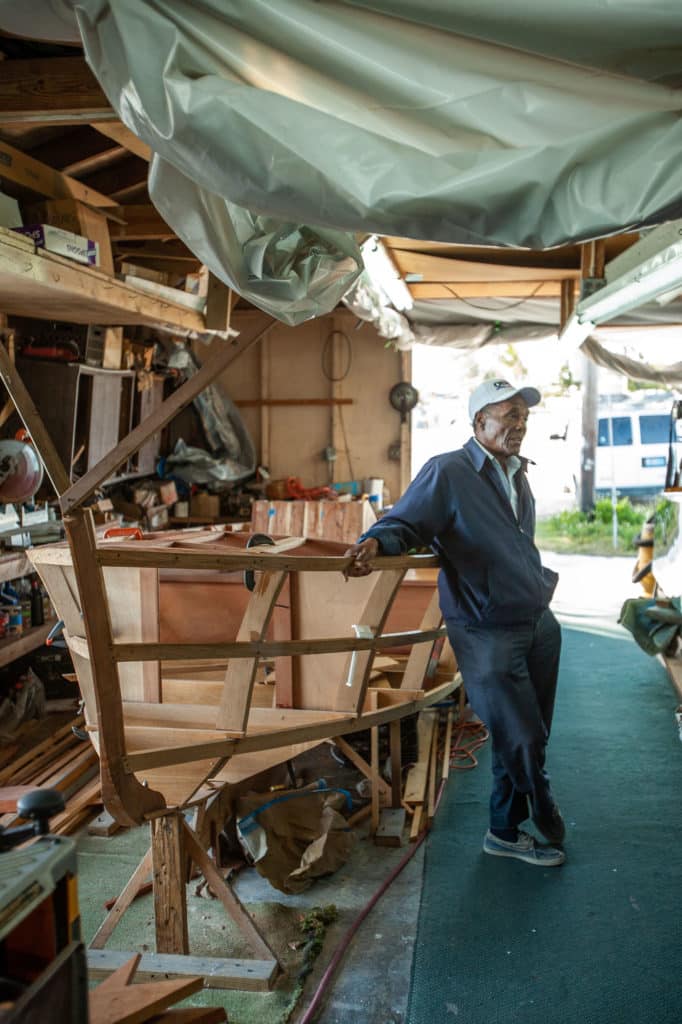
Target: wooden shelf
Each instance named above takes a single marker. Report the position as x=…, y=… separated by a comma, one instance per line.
x=12, y=648
x=44, y=285
x=14, y=565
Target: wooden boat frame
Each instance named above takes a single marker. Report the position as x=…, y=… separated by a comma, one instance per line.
x=119, y=670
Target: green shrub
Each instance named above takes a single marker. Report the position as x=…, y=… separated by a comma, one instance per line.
x=573, y=530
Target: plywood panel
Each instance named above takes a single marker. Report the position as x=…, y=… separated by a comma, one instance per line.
x=324, y=611
x=133, y=596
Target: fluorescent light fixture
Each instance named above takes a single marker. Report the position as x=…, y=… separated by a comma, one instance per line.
x=651, y=268
x=384, y=274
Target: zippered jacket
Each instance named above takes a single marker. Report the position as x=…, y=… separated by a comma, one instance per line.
x=491, y=572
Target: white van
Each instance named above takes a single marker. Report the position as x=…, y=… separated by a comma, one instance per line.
x=633, y=436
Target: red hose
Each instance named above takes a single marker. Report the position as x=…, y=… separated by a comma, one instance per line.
x=314, y=1004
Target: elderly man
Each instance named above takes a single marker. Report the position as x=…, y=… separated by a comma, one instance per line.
x=475, y=508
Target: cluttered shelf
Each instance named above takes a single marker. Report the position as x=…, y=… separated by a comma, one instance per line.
x=13, y=647
x=13, y=565
x=45, y=285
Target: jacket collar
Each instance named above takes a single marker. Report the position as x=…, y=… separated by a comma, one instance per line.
x=479, y=458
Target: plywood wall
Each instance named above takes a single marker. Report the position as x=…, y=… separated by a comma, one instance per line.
x=295, y=363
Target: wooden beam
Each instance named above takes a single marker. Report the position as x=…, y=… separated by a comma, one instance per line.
x=130, y=173
x=123, y=796
x=330, y=726
x=433, y=269
x=492, y=290
x=235, y=702
x=45, y=285
x=248, y=649
x=148, y=556
x=259, y=403
x=169, y=875
x=138, y=878
x=221, y=356
x=140, y=222
x=54, y=467
x=73, y=147
x=254, y=975
x=24, y=170
x=219, y=299
x=124, y=137
x=51, y=90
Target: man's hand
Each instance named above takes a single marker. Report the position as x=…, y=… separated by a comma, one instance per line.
x=362, y=554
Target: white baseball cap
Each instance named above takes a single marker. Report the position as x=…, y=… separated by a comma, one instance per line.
x=492, y=391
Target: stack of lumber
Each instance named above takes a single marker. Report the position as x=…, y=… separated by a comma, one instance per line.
x=434, y=736
x=62, y=762
x=117, y=1001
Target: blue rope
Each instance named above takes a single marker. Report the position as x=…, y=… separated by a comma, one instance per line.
x=320, y=787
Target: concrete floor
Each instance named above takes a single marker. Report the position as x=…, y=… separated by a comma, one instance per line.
x=372, y=983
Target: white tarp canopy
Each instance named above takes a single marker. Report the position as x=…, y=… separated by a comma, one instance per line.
x=281, y=128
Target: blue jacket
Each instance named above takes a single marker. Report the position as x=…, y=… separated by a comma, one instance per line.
x=491, y=573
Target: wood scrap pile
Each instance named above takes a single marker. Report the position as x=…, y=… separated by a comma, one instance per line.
x=117, y=1001
x=63, y=762
x=434, y=735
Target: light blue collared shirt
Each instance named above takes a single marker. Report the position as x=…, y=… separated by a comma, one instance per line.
x=507, y=478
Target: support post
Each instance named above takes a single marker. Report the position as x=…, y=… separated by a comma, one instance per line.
x=170, y=895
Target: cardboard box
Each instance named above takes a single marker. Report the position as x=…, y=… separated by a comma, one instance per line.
x=204, y=505
x=72, y=215
x=10, y=215
x=64, y=243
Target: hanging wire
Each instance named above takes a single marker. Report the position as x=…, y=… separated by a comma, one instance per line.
x=345, y=441
x=327, y=356
x=494, y=309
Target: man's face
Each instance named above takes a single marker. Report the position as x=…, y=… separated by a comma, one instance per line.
x=501, y=427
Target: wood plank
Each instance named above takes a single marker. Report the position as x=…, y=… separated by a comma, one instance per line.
x=150, y=556
x=445, y=771
x=390, y=831
x=139, y=876
x=332, y=726
x=494, y=290
x=396, y=764
x=124, y=137
x=415, y=784
x=12, y=648
x=220, y=358
x=135, y=1004
x=250, y=975
x=9, y=796
x=31, y=419
x=433, y=771
x=233, y=713
x=240, y=649
x=420, y=656
x=47, y=286
x=51, y=90
x=360, y=763
x=23, y=170
x=350, y=693
x=169, y=874
x=374, y=778
x=436, y=269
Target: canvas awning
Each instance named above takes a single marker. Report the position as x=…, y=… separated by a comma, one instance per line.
x=280, y=128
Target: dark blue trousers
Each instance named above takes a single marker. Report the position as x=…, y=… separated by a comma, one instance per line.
x=510, y=677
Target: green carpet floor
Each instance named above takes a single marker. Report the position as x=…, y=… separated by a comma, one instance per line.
x=596, y=941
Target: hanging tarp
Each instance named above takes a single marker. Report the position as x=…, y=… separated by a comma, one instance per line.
x=280, y=127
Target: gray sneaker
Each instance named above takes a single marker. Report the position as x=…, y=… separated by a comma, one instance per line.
x=525, y=848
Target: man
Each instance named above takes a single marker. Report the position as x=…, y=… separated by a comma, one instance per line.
x=475, y=508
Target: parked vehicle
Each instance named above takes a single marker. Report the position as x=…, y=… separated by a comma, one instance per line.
x=633, y=438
